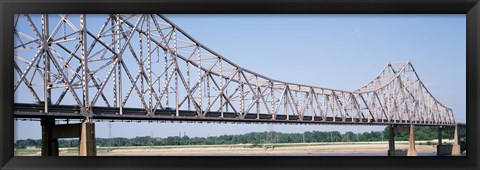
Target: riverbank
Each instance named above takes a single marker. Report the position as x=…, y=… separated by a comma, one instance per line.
x=335, y=148
x=290, y=150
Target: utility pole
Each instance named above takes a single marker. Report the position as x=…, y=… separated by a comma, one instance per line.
x=331, y=137
x=270, y=134
x=110, y=134
x=303, y=137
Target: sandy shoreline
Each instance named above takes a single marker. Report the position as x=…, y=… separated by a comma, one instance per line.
x=304, y=149
x=325, y=149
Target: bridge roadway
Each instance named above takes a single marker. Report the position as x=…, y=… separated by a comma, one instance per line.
x=72, y=112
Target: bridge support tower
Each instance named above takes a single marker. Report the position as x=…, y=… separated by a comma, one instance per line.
x=391, y=140
x=49, y=142
x=88, y=145
x=455, y=146
x=85, y=131
x=442, y=149
x=411, y=143
x=453, y=149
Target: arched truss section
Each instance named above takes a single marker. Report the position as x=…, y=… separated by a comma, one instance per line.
x=145, y=61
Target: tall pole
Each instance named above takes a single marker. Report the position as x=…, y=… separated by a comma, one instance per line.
x=110, y=134
x=331, y=137
x=303, y=137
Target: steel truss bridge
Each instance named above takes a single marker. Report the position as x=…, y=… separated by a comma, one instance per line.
x=144, y=67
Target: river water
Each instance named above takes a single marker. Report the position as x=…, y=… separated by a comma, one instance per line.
x=419, y=154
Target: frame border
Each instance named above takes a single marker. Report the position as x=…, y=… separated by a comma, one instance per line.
x=469, y=7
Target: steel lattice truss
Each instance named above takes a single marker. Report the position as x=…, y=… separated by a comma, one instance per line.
x=145, y=61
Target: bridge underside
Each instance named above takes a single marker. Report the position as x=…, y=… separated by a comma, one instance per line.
x=72, y=112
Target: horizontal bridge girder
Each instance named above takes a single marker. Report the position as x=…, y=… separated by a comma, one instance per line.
x=69, y=112
x=66, y=131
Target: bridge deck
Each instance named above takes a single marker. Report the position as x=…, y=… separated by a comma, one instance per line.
x=72, y=112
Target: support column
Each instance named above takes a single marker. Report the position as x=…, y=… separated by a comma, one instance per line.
x=441, y=149
x=455, y=146
x=49, y=143
x=391, y=140
x=88, y=146
x=411, y=143
x=440, y=129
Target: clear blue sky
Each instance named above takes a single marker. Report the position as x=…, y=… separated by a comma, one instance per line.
x=335, y=51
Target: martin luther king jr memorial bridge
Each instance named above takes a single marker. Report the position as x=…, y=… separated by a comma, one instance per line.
x=144, y=67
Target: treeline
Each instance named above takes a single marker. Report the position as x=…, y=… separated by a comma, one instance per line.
x=421, y=133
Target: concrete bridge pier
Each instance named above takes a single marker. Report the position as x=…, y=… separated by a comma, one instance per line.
x=411, y=143
x=88, y=145
x=455, y=146
x=440, y=129
x=391, y=140
x=49, y=142
x=85, y=131
x=453, y=149
x=440, y=147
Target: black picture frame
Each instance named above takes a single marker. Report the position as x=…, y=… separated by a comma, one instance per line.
x=469, y=7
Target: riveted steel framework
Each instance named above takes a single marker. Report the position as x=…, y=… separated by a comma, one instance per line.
x=145, y=61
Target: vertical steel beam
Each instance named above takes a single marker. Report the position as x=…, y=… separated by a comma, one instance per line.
x=199, y=62
x=209, y=101
x=242, y=94
x=177, y=113
x=258, y=97
x=286, y=101
x=220, y=92
x=166, y=74
x=272, y=98
x=83, y=25
x=149, y=65
x=140, y=63
x=46, y=62
x=188, y=85
x=114, y=44
x=119, y=68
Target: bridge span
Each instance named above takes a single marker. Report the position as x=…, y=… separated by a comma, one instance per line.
x=144, y=67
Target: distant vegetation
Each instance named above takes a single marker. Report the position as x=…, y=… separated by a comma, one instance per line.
x=255, y=138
